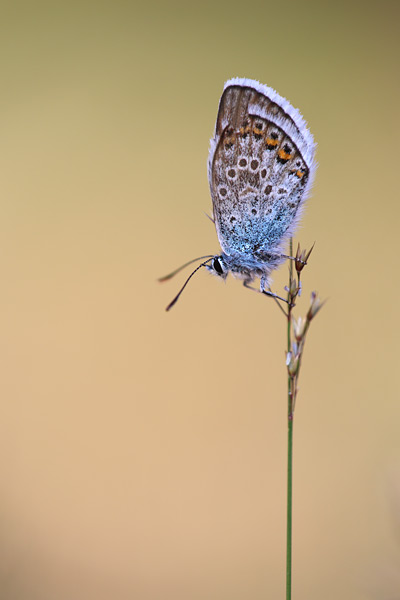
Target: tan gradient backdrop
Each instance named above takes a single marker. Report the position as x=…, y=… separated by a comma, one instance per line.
x=143, y=454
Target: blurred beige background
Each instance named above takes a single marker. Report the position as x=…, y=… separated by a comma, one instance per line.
x=143, y=454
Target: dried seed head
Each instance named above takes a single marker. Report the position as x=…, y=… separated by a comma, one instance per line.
x=299, y=327
x=293, y=288
x=309, y=252
x=315, y=305
x=302, y=257
x=293, y=365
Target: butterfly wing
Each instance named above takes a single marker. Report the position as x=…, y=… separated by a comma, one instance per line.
x=261, y=166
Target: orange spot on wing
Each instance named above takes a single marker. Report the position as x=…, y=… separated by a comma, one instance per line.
x=229, y=140
x=284, y=155
x=271, y=142
x=244, y=130
x=299, y=174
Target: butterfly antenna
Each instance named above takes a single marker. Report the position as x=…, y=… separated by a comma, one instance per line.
x=175, y=300
x=170, y=275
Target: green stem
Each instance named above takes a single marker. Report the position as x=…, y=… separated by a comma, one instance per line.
x=291, y=384
x=289, y=505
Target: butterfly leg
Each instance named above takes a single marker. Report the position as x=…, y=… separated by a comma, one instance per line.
x=286, y=257
x=263, y=283
x=301, y=257
x=247, y=285
x=303, y=262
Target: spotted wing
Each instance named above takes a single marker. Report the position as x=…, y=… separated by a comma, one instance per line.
x=261, y=167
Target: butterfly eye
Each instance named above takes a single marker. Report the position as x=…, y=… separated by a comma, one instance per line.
x=217, y=266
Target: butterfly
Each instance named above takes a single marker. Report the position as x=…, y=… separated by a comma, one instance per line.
x=261, y=168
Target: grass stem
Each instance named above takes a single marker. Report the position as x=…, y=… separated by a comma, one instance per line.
x=290, y=443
